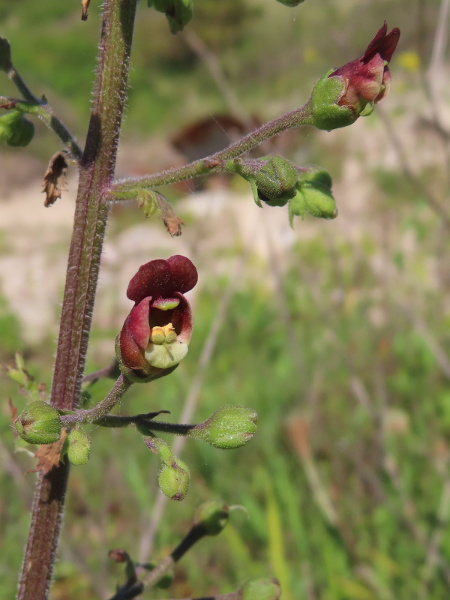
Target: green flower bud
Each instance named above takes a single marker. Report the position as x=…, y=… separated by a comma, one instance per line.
x=174, y=476
x=15, y=130
x=261, y=589
x=212, y=517
x=39, y=423
x=178, y=12
x=5, y=55
x=229, y=427
x=313, y=196
x=78, y=447
x=174, y=479
x=324, y=108
x=272, y=178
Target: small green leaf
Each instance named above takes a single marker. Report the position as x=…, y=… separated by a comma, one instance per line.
x=178, y=12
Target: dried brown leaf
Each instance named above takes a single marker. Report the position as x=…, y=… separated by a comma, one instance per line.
x=171, y=221
x=84, y=9
x=49, y=455
x=54, y=178
x=13, y=410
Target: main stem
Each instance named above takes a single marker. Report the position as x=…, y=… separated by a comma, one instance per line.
x=96, y=173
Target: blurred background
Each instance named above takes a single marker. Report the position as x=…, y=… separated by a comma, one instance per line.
x=336, y=332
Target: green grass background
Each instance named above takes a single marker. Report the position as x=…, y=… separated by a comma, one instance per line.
x=346, y=483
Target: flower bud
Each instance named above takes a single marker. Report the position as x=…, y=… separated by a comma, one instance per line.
x=15, y=130
x=78, y=447
x=344, y=94
x=272, y=178
x=174, y=479
x=229, y=427
x=39, y=423
x=212, y=517
x=5, y=55
x=313, y=196
x=178, y=12
x=260, y=589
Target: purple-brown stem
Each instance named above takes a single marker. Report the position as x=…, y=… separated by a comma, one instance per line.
x=96, y=172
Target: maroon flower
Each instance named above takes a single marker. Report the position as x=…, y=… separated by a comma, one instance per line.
x=156, y=333
x=367, y=79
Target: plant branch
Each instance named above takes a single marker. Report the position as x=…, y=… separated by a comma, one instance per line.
x=45, y=113
x=96, y=173
x=89, y=415
x=126, y=189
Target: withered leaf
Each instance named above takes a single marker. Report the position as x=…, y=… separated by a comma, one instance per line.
x=84, y=9
x=171, y=221
x=13, y=410
x=49, y=455
x=54, y=178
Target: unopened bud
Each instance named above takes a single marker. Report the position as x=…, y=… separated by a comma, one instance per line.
x=272, y=178
x=78, y=447
x=174, y=479
x=260, y=589
x=212, y=517
x=15, y=130
x=39, y=423
x=229, y=427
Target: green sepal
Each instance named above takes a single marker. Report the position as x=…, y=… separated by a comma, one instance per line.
x=39, y=423
x=77, y=447
x=325, y=113
x=260, y=589
x=272, y=178
x=313, y=196
x=178, y=12
x=147, y=200
x=15, y=129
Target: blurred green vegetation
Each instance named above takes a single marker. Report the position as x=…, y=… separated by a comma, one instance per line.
x=346, y=482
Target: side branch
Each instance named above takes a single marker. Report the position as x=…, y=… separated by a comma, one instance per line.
x=124, y=189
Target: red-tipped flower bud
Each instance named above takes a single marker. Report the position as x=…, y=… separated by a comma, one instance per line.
x=39, y=423
x=344, y=94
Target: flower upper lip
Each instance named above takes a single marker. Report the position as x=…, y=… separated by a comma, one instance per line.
x=162, y=278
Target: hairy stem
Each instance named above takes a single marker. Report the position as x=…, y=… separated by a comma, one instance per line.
x=89, y=415
x=125, y=188
x=96, y=173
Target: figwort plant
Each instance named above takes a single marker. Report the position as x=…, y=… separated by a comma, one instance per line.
x=157, y=332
